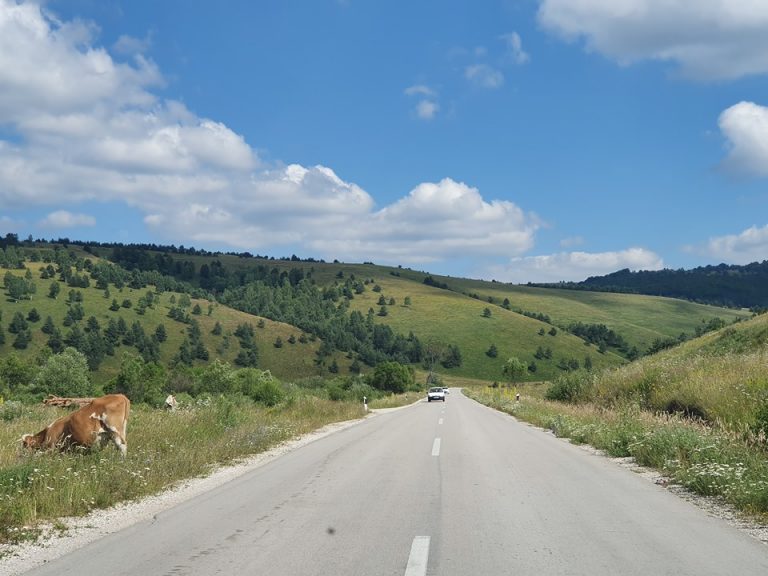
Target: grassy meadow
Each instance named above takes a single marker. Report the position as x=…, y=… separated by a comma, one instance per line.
x=639, y=319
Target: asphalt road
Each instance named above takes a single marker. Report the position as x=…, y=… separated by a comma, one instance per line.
x=443, y=489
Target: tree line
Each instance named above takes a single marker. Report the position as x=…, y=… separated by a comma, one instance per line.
x=727, y=285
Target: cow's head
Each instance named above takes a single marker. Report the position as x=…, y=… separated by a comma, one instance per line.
x=32, y=441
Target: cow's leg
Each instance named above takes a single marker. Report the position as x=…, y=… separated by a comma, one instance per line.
x=114, y=433
x=121, y=444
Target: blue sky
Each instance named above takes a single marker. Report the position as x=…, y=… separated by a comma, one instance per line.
x=528, y=140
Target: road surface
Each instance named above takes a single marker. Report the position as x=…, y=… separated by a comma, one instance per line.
x=437, y=488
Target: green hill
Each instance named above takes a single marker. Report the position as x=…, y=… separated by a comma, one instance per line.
x=293, y=360
x=638, y=318
x=307, y=305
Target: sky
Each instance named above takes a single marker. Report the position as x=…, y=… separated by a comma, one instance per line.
x=509, y=140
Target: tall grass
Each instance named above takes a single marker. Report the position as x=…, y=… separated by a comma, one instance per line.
x=727, y=391
x=163, y=448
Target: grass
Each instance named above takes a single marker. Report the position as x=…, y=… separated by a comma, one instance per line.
x=163, y=448
x=639, y=319
x=395, y=400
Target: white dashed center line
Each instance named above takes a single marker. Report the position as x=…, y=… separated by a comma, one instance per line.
x=440, y=421
x=417, y=561
x=436, y=447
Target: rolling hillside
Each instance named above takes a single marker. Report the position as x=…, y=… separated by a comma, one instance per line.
x=291, y=361
x=639, y=319
x=474, y=316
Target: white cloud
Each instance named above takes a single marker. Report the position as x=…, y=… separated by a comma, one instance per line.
x=419, y=90
x=438, y=221
x=427, y=106
x=91, y=129
x=745, y=126
x=65, y=219
x=50, y=67
x=484, y=75
x=426, y=109
x=515, y=48
x=130, y=45
x=571, y=242
x=708, y=39
x=750, y=245
x=575, y=266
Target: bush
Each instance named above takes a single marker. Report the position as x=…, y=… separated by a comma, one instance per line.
x=261, y=386
x=65, y=374
x=570, y=387
x=392, y=377
x=141, y=382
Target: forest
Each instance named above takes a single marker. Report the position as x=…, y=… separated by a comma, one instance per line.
x=729, y=285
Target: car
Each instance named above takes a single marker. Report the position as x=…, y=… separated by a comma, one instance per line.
x=436, y=393
x=446, y=390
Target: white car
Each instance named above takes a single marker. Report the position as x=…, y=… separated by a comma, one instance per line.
x=436, y=393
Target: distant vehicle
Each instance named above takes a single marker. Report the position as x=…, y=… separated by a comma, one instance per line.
x=445, y=389
x=436, y=393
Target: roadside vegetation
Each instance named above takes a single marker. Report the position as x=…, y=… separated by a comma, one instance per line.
x=165, y=447
x=698, y=413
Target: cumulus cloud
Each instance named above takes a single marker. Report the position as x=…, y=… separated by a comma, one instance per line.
x=88, y=128
x=575, y=266
x=484, y=75
x=750, y=245
x=437, y=221
x=707, y=39
x=65, y=219
x=745, y=127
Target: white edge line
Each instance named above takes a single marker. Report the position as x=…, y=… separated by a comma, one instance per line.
x=417, y=560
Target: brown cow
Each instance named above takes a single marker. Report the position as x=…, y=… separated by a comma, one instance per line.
x=97, y=422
